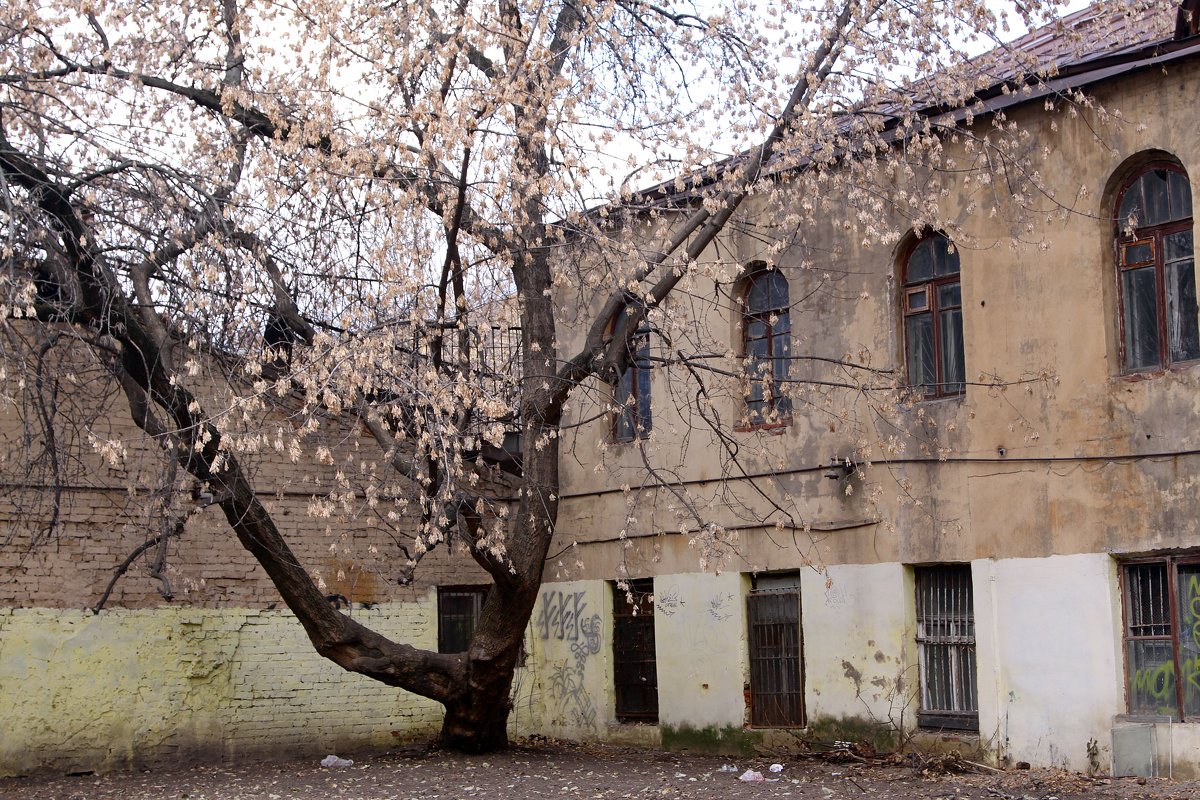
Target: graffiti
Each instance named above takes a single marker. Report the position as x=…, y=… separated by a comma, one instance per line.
x=566, y=678
x=720, y=608
x=669, y=602
x=835, y=597
x=1155, y=685
x=561, y=615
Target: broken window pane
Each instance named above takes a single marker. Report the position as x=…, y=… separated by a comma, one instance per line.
x=1182, y=323
x=1155, y=193
x=1181, y=197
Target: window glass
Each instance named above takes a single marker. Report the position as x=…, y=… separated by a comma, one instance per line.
x=1162, y=638
x=631, y=395
x=1160, y=321
x=946, y=647
x=933, y=328
x=766, y=330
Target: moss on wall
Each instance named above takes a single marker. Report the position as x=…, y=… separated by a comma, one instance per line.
x=727, y=741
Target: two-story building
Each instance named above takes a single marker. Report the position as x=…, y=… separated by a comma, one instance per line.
x=943, y=488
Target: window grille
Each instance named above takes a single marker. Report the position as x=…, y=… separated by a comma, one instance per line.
x=458, y=611
x=946, y=648
x=776, y=669
x=1162, y=637
x=635, y=667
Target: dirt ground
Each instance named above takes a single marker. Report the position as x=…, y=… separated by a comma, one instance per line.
x=559, y=770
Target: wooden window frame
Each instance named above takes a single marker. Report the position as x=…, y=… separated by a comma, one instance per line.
x=1172, y=564
x=928, y=288
x=777, y=407
x=1154, y=235
x=964, y=719
x=478, y=592
x=631, y=621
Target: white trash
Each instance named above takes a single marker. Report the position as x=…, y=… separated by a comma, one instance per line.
x=776, y=768
x=727, y=768
x=750, y=776
x=334, y=761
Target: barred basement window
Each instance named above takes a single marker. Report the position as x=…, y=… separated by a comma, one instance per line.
x=1162, y=636
x=458, y=611
x=776, y=646
x=635, y=665
x=946, y=648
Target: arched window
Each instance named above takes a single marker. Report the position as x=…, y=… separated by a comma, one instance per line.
x=1157, y=277
x=767, y=343
x=933, y=331
x=631, y=395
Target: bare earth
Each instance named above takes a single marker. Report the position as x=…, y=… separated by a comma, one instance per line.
x=558, y=770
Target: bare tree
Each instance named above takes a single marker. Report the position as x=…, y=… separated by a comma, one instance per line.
x=329, y=210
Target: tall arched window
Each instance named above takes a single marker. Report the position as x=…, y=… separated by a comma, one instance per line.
x=767, y=341
x=1157, y=276
x=631, y=396
x=933, y=330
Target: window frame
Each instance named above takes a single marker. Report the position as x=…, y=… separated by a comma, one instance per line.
x=1172, y=564
x=929, y=288
x=632, y=407
x=776, y=410
x=789, y=710
x=478, y=592
x=1155, y=235
x=628, y=643
x=965, y=719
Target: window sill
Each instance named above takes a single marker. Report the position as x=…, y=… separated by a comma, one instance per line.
x=765, y=427
x=1150, y=374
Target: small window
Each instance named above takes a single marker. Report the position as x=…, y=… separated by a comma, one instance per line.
x=1162, y=637
x=767, y=345
x=933, y=324
x=458, y=612
x=776, y=643
x=946, y=648
x=635, y=663
x=1156, y=270
x=631, y=395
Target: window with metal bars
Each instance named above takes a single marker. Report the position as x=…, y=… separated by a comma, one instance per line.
x=776, y=666
x=1162, y=636
x=458, y=611
x=946, y=647
x=635, y=665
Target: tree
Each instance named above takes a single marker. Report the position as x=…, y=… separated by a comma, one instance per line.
x=318, y=208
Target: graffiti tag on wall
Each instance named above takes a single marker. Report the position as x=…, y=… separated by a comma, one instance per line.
x=566, y=678
x=561, y=615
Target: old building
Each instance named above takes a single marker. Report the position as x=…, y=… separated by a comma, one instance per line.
x=953, y=496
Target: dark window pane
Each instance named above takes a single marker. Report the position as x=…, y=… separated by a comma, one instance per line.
x=1151, y=677
x=1181, y=197
x=1139, y=253
x=635, y=666
x=776, y=677
x=919, y=300
x=755, y=329
x=1182, y=322
x=1147, y=607
x=768, y=291
x=949, y=294
x=458, y=611
x=945, y=260
x=946, y=647
x=1178, y=245
x=1141, y=318
x=953, y=360
x=1155, y=193
x=1188, y=581
x=919, y=341
x=920, y=262
x=1130, y=216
